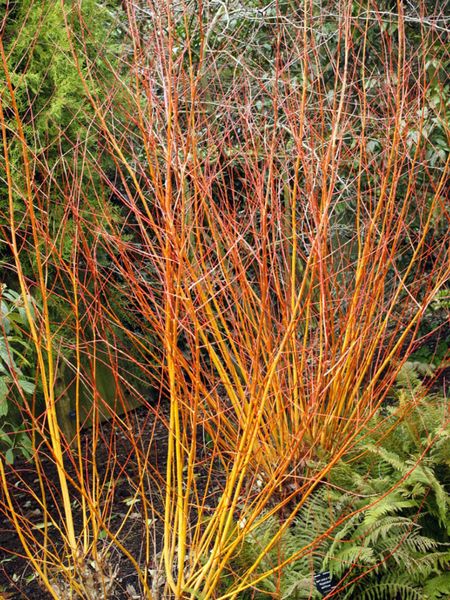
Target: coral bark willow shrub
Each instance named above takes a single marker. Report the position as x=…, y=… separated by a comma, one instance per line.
x=281, y=260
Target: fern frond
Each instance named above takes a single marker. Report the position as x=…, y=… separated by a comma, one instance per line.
x=409, y=376
x=390, y=504
x=431, y=563
x=440, y=452
x=391, y=458
x=350, y=556
x=301, y=589
x=388, y=591
x=387, y=528
x=438, y=588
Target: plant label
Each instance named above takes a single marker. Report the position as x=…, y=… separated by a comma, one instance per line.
x=324, y=582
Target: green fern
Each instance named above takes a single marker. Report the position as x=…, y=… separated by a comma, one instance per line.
x=388, y=591
x=393, y=544
x=438, y=587
x=396, y=546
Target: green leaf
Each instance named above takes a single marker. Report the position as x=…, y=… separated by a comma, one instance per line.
x=24, y=445
x=5, y=355
x=27, y=386
x=4, y=390
x=11, y=295
x=9, y=456
x=5, y=317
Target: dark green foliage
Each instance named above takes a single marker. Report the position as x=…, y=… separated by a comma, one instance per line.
x=50, y=95
x=17, y=374
x=52, y=100
x=436, y=350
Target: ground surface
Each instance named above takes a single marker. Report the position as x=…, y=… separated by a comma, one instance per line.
x=17, y=580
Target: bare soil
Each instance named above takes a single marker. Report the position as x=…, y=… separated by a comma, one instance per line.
x=17, y=579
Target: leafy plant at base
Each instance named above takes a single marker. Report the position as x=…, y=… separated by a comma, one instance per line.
x=17, y=366
x=392, y=496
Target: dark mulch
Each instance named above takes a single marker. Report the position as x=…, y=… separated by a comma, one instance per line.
x=17, y=579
